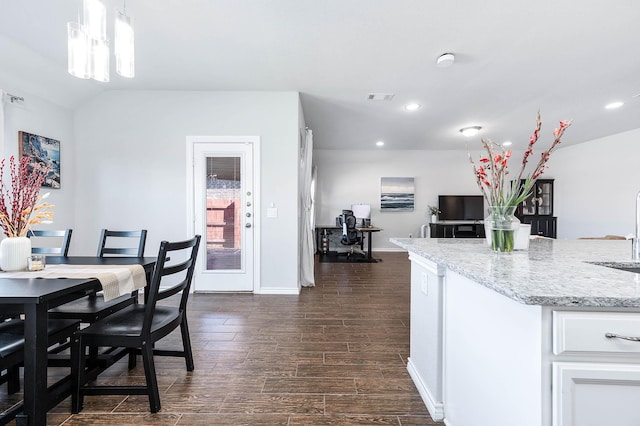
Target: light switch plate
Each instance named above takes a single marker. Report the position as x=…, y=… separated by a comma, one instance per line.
x=272, y=212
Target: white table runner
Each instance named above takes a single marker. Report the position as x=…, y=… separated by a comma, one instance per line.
x=116, y=280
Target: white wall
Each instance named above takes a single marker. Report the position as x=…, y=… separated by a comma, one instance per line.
x=348, y=177
x=128, y=170
x=131, y=150
x=44, y=118
x=596, y=186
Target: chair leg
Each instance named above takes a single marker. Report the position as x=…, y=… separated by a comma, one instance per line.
x=13, y=379
x=186, y=343
x=78, y=361
x=132, y=359
x=150, y=375
x=93, y=355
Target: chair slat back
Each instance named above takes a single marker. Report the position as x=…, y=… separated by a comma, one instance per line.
x=108, y=238
x=63, y=234
x=172, y=275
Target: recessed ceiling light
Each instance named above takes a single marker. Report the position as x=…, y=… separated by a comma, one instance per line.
x=507, y=143
x=470, y=131
x=380, y=143
x=411, y=107
x=614, y=105
x=445, y=60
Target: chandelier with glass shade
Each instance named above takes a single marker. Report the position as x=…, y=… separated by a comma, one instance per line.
x=89, y=46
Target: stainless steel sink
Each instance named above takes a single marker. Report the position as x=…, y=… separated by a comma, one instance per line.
x=622, y=266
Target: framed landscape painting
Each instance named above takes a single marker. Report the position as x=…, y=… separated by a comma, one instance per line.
x=397, y=194
x=40, y=149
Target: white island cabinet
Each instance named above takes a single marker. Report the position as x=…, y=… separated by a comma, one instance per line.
x=425, y=360
x=521, y=339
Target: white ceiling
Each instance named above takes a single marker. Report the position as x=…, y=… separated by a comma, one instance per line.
x=566, y=58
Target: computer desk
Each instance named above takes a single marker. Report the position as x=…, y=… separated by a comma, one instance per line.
x=368, y=229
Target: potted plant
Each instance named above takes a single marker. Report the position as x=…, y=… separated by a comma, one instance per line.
x=503, y=197
x=434, y=212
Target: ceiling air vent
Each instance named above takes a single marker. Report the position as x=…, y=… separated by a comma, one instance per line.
x=380, y=96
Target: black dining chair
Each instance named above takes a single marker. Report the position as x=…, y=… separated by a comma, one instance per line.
x=49, y=238
x=140, y=326
x=12, y=357
x=113, y=243
x=93, y=307
x=41, y=235
x=12, y=346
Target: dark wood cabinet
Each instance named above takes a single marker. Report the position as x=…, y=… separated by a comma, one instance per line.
x=544, y=226
x=540, y=202
x=456, y=230
x=537, y=209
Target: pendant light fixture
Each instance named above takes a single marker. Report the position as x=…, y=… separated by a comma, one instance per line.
x=88, y=45
x=123, y=49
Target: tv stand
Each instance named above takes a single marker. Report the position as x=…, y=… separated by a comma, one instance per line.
x=457, y=229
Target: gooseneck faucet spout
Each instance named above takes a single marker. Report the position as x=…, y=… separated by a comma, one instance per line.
x=635, y=247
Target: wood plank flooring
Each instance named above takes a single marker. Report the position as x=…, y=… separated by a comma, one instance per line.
x=334, y=355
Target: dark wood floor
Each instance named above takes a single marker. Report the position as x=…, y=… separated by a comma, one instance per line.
x=334, y=355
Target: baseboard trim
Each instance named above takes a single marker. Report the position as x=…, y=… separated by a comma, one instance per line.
x=436, y=409
x=281, y=291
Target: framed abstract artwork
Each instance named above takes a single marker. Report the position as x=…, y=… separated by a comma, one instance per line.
x=44, y=150
x=397, y=194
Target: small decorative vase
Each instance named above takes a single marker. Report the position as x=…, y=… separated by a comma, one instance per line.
x=500, y=228
x=434, y=218
x=14, y=253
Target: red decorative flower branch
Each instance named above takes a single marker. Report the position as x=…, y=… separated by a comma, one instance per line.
x=23, y=207
x=492, y=169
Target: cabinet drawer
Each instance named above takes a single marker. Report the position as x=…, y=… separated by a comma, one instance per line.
x=585, y=332
x=586, y=393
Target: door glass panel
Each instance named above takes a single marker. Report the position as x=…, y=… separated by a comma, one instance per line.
x=528, y=205
x=545, y=198
x=224, y=213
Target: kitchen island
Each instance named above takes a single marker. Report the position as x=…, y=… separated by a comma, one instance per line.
x=520, y=338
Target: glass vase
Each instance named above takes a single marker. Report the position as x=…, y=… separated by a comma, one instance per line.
x=500, y=227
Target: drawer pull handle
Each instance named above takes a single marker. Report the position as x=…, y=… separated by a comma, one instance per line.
x=617, y=336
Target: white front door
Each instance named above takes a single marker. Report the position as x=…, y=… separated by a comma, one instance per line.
x=224, y=206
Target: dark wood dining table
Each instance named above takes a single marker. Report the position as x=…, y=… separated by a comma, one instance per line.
x=37, y=296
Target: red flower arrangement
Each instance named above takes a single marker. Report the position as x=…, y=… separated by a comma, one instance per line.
x=23, y=206
x=493, y=168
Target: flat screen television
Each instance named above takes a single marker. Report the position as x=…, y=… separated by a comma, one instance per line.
x=461, y=207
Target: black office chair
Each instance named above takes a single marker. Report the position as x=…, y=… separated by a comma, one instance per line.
x=40, y=235
x=140, y=326
x=350, y=234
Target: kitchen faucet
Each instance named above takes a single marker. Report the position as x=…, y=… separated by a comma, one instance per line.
x=635, y=247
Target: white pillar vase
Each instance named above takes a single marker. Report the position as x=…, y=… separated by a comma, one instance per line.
x=14, y=253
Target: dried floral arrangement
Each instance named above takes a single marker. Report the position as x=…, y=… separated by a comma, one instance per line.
x=22, y=206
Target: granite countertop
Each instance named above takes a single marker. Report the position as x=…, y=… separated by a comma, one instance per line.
x=551, y=272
